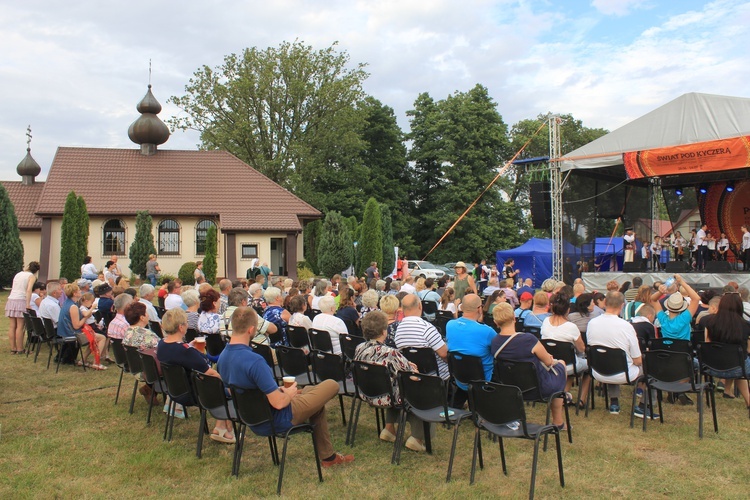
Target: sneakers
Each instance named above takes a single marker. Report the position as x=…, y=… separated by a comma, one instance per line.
x=614, y=409
x=684, y=400
x=640, y=413
x=338, y=459
x=386, y=435
x=413, y=444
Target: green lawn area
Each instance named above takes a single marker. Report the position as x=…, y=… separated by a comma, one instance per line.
x=61, y=436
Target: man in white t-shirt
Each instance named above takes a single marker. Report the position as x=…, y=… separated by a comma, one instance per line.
x=609, y=330
x=173, y=299
x=147, y=294
x=408, y=285
x=702, y=245
x=330, y=323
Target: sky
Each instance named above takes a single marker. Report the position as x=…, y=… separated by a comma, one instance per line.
x=75, y=71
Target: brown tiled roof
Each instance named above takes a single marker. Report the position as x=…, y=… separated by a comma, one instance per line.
x=25, y=199
x=203, y=183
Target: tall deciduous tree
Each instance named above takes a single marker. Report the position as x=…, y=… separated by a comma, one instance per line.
x=390, y=179
x=370, y=246
x=334, y=245
x=143, y=243
x=209, y=259
x=71, y=253
x=11, y=247
x=288, y=111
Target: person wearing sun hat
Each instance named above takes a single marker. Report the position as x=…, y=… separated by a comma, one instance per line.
x=463, y=282
x=677, y=314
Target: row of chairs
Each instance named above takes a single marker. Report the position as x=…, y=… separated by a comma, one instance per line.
x=42, y=331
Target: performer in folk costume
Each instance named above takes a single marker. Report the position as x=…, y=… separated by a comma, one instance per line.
x=745, y=248
x=722, y=247
x=656, y=253
x=679, y=244
x=628, y=245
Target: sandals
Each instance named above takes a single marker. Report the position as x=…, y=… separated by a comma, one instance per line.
x=98, y=367
x=220, y=435
x=569, y=399
x=80, y=363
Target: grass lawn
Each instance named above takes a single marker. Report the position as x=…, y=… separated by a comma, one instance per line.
x=61, y=436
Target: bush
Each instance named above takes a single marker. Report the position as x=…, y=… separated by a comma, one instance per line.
x=186, y=273
x=335, y=248
x=166, y=278
x=304, y=272
x=209, y=260
x=143, y=243
x=370, y=245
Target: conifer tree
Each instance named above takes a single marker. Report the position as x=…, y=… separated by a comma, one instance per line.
x=83, y=234
x=209, y=259
x=11, y=247
x=71, y=256
x=310, y=242
x=143, y=243
x=334, y=245
x=389, y=256
x=370, y=245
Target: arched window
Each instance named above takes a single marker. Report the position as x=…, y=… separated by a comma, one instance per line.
x=113, y=237
x=169, y=237
x=201, y=231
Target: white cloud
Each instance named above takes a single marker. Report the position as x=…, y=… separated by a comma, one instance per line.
x=616, y=7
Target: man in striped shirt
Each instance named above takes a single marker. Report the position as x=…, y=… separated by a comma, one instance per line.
x=413, y=331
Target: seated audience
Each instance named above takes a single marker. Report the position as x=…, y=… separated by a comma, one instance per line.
x=330, y=323
x=390, y=305
x=447, y=302
x=413, y=331
x=209, y=320
x=276, y=314
x=192, y=301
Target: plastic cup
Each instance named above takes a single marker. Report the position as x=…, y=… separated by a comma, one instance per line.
x=200, y=344
x=288, y=381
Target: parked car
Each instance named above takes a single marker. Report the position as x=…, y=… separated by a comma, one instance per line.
x=450, y=265
x=424, y=269
x=449, y=271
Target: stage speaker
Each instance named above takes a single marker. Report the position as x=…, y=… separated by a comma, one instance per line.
x=676, y=267
x=718, y=266
x=632, y=267
x=541, y=206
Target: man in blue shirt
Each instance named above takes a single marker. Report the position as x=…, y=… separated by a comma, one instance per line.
x=239, y=366
x=466, y=335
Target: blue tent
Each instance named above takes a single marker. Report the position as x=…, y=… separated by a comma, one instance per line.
x=605, y=249
x=534, y=258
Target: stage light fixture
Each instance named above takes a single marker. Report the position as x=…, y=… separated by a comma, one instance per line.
x=678, y=191
x=730, y=186
x=703, y=189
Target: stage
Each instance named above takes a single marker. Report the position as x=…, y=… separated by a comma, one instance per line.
x=699, y=281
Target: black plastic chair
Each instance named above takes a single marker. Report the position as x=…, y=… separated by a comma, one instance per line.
x=522, y=374
x=566, y=351
x=212, y=399
x=32, y=338
x=327, y=366
x=320, y=340
x=293, y=363
x=426, y=397
x=190, y=335
x=536, y=331
x=672, y=371
x=75, y=342
x=252, y=409
x=136, y=369
x=151, y=375
x=297, y=336
x=675, y=345
x=40, y=332
x=717, y=356
x=178, y=387
x=608, y=361
x=265, y=352
x=349, y=345
x=160, y=311
x=311, y=313
x=121, y=361
x=156, y=328
x=352, y=328
x=441, y=319
x=429, y=307
x=215, y=343
x=500, y=410
x=423, y=357
x=465, y=369
x=371, y=381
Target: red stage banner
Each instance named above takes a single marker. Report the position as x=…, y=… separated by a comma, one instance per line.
x=725, y=211
x=701, y=157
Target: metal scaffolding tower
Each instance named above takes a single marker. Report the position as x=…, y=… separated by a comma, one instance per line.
x=556, y=195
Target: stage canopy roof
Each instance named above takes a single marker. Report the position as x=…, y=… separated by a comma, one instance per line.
x=717, y=128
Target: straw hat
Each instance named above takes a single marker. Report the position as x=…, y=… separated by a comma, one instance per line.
x=676, y=303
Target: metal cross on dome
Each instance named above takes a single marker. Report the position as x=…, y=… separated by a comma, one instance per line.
x=28, y=137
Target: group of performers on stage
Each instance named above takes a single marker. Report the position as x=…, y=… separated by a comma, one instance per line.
x=703, y=246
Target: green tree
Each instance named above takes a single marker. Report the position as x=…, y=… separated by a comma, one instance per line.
x=83, y=231
x=370, y=245
x=389, y=256
x=288, y=111
x=143, y=243
x=209, y=259
x=187, y=273
x=390, y=179
x=459, y=143
x=11, y=247
x=71, y=255
x=334, y=245
x=310, y=244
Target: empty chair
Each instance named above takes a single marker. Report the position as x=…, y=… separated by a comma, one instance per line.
x=500, y=410
x=328, y=366
x=672, y=371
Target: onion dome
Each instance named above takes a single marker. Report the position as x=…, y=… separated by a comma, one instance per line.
x=148, y=130
x=28, y=169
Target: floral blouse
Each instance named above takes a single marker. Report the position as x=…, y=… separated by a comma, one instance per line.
x=209, y=322
x=142, y=338
x=374, y=352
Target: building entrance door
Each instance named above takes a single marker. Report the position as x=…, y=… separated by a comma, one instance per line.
x=278, y=256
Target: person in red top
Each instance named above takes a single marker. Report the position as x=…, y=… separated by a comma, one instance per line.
x=399, y=272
